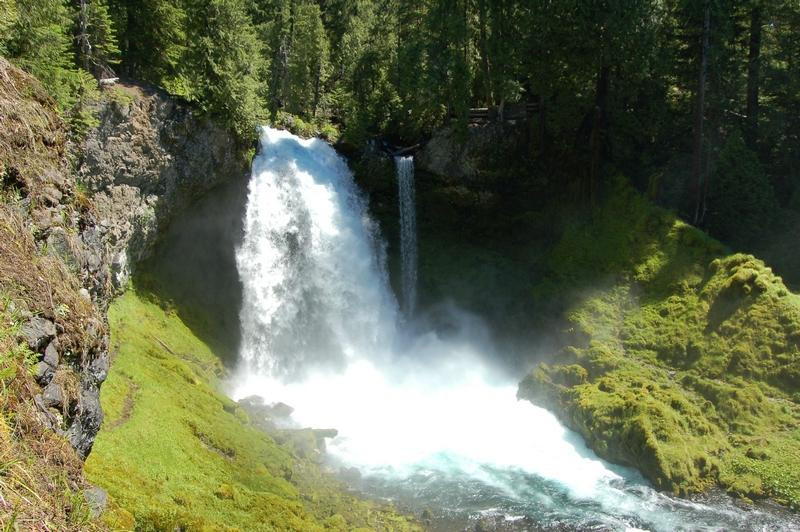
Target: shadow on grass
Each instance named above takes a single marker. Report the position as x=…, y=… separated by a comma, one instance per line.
x=193, y=268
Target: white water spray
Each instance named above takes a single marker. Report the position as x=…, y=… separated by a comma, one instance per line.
x=428, y=419
x=312, y=271
x=408, y=232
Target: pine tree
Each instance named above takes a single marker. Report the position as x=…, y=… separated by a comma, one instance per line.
x=41, y=43
x=742, y=202
x=152, y=40
x=96, y=38
x=371, y=95
x=308, y=62
x=224, y=63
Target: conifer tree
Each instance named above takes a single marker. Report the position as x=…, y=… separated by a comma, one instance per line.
x=152, y=40
x=41, y=43
x=96, y=38
x=308, y=61
x=224, y=63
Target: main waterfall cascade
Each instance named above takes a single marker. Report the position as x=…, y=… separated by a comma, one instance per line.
x=408, y=232
x=424, y=418
x=312, y=270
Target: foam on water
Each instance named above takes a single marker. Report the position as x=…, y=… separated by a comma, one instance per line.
x=395, y=426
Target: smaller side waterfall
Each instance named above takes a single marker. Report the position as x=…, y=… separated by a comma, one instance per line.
x=408, y=233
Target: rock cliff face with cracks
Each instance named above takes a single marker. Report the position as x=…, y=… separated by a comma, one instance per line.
x=149, y=158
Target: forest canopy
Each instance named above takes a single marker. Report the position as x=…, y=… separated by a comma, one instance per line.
x=694, y=100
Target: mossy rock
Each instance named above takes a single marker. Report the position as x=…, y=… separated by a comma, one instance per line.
x=686, y=364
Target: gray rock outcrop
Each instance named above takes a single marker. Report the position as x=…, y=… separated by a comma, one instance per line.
x=149, y=158
x=97, y=498
x=38, y=331
x=461, y=155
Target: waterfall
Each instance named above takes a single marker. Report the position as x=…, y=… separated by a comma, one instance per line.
x=311, y=264
x=423, y=417
x=408, y=233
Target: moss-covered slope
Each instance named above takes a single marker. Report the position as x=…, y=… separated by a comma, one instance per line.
x=176, y=453
x=680, y=360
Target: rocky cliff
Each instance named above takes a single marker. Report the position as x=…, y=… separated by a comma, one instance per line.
x=467, y=154
x=75, y=219
x=148, y=159
x=53, y=277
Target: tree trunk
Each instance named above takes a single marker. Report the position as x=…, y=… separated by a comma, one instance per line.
x=280, y=67
x=487, y=71
x=466, y=32
x=130, y=62
x=317, y=83
x=699, y=111
x=753, y=70
x=84, y=46
x=597, y=137
x=542, y=123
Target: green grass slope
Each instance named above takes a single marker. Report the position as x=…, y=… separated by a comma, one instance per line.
x=679, y=359
x=175, y=453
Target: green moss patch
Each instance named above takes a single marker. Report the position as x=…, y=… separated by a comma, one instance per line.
x=683, y=363
x=176, y=453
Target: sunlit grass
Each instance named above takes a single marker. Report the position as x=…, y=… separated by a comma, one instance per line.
x=175, y=452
